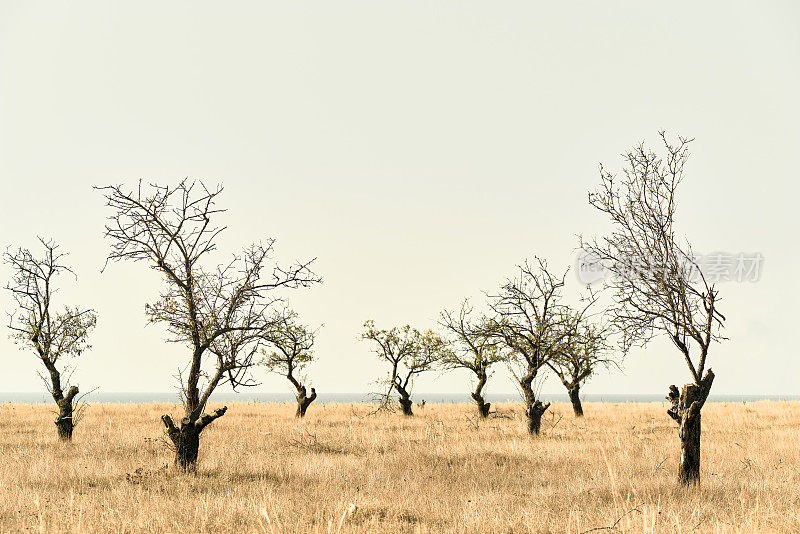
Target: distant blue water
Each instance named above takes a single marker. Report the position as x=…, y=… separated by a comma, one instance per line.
x=224, y=396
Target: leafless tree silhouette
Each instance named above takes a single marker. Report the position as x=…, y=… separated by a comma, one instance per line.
x=583, y=349
x=223, y=313
x=529, y=321
x=476, y=348
x=53, y=335
x=659, y=288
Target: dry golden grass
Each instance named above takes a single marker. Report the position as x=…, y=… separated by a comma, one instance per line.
x=441, y=471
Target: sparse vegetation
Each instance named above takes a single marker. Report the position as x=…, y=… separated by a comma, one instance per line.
x=582, y=350
x=294, y=350
x=476, y=349
x=227, y=310
x=529, y=322
x=53, y=335
x=410, y=353
x=432, y=473
x=658, y=288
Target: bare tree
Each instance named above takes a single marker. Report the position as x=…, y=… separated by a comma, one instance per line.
x=476, y=349
x=223, y=314
x=529, y=319
x=53, y=335
x=659, y=289
x=294, y=344
x=409, y=352
x=583, y=349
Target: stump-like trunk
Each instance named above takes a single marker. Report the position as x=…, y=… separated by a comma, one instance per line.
x=685, y=410
x=65, y=422
x=405, y=405
x=689, y=465
x=186, y=439
x=304, y=401
x=575, y=399
x=534, y=408
x=534, y=411
x=483, y=406
x=187, y=445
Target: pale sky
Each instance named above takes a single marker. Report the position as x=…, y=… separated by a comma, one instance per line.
x=418, y=149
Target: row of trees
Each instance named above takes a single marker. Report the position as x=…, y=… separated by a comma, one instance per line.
x=232, y=316
x=529, y=328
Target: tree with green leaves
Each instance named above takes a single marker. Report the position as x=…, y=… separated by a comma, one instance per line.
x=409, y=352
x=293, y=346
x=37, y=324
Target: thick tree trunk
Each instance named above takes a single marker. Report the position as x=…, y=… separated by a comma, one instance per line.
x=405, y=396
x=575, y=399
x=187, y=445
x=65, y=422
x=534, y=408
x=186, y=439
x=303, y=401
x=405, y=405
x=685, y=410
x=534, y=411
x=483, y=406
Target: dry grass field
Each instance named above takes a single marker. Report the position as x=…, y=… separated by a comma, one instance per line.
x=261, y=470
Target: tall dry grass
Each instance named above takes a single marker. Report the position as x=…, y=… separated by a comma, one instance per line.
x=340, y=470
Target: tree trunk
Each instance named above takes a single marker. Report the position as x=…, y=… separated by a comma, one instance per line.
x=534, y=408
x=303, y=401
x=574, y=397
x=65, y=422
x=685, y=410
x=405, y=405
x=535, y=411
x=483, y=406
x=187, y=445
x=186, y=439
x=405, y=396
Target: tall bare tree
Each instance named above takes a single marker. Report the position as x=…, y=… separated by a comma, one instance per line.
x=476, y=349
x=409, y=352
x=583, y=349
x=223, y=313
x=659, y=288
x=294, y=344
x=36, y=324
x=529, y=319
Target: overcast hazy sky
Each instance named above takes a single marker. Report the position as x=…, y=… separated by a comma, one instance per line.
x=419, y=149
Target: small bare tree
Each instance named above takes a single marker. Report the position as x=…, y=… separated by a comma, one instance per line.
x=659, y=289
x=409, y=352
x=583, y=349
x=53, y=335
x=294, y=344
x=529, y=322
x=223, y=314
x=476, y=349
